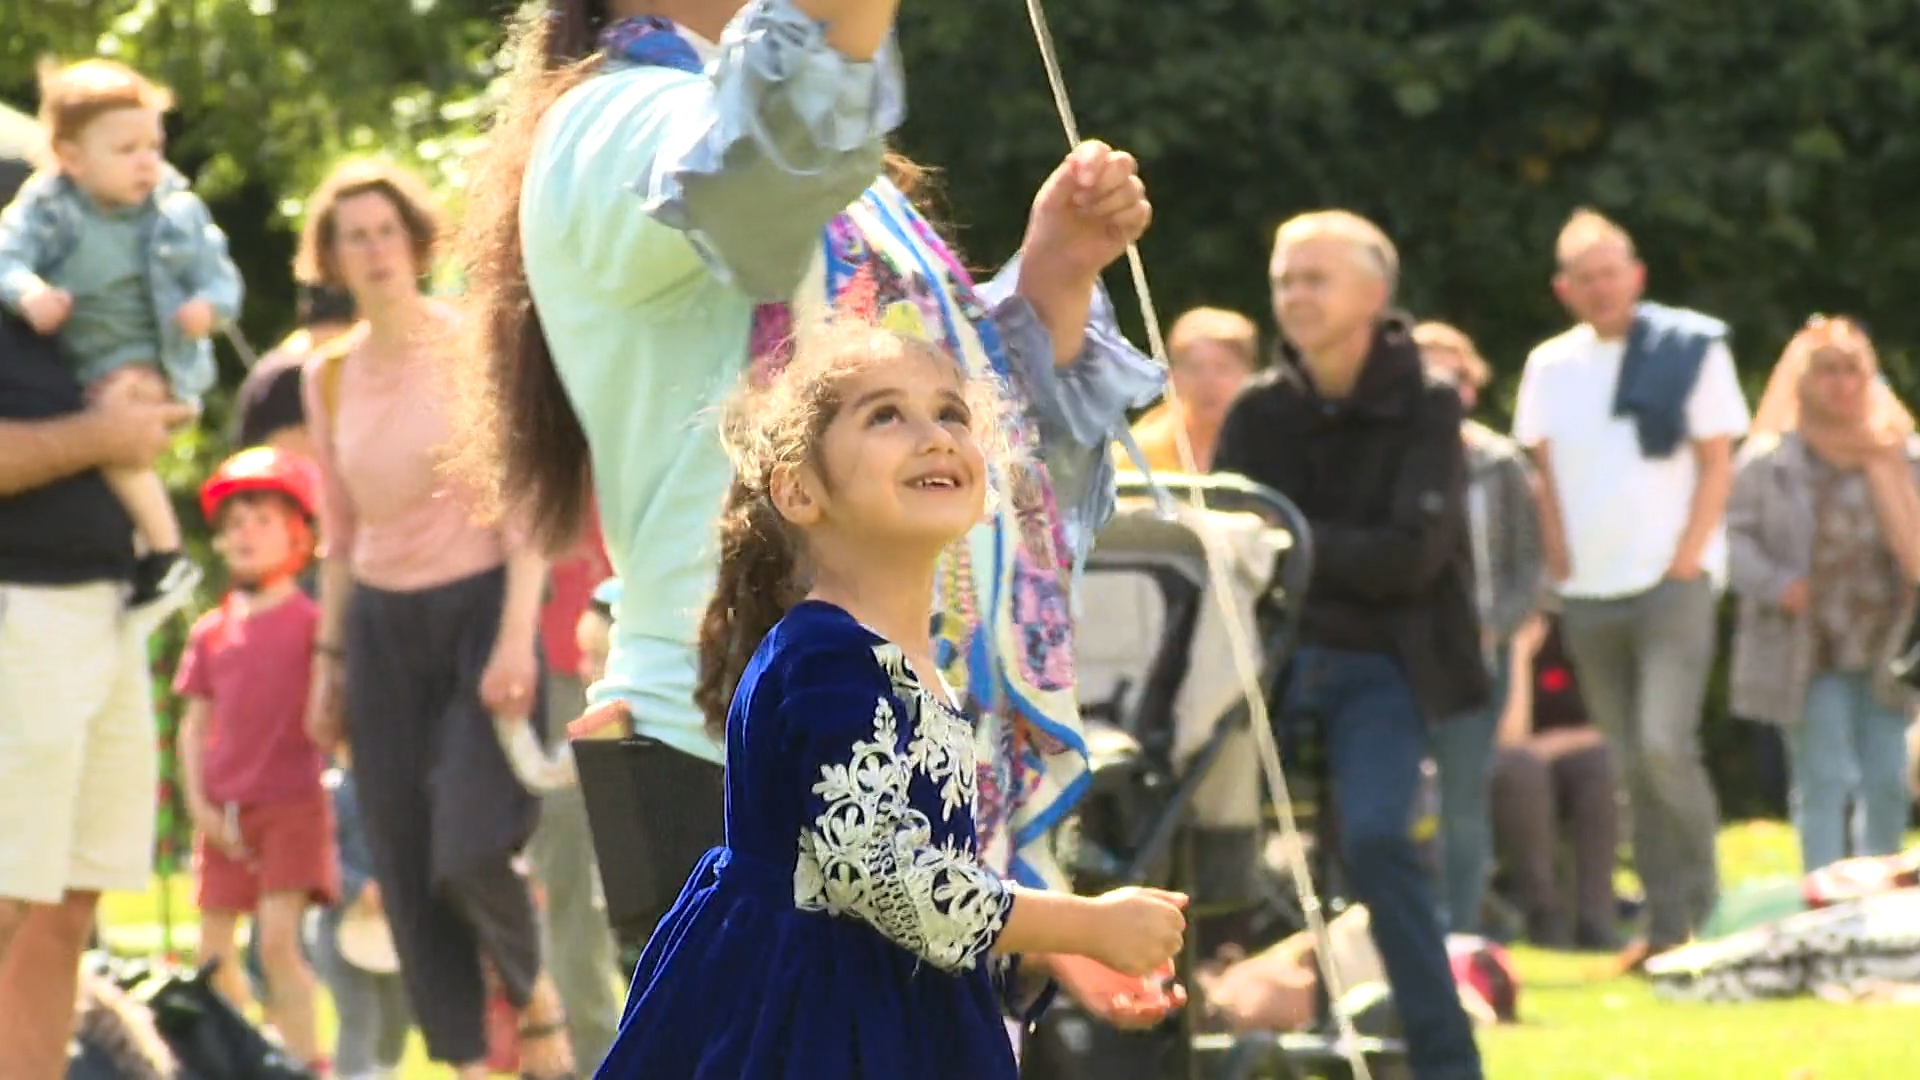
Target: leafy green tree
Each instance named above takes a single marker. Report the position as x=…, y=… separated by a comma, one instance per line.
x=1759, y=153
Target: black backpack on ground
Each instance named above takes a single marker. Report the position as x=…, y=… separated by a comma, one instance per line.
x=206, y=1037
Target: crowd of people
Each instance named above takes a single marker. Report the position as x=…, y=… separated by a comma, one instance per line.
x=453, y=521
x=109, y=262
x=1536, y=614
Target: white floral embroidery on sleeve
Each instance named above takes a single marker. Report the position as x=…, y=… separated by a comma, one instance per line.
x=871, y=855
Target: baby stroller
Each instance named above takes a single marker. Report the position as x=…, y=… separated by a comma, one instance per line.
x=1176, y=797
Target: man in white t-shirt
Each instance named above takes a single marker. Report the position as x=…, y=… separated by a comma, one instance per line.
x=1630, y=417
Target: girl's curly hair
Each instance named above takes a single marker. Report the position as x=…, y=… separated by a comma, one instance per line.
x=779, y=423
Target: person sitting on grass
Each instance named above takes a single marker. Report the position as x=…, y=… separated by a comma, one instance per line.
x=265, y=843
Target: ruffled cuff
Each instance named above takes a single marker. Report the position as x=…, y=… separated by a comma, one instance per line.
x=1079, y=408
x=791, y=135
x=1025, y=993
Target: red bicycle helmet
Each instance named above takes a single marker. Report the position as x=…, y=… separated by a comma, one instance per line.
x=263, y=468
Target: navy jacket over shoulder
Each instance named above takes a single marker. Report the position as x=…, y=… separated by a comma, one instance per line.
x=1666, y=347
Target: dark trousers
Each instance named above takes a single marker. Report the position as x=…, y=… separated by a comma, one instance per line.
x=654, y=812
x=1563, y=777
x=444, y=814
x=1376, y=739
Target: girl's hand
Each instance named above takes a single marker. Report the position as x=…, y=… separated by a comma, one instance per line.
x=1138, y=930
x=1121, y=1000
x=1086, y=214
x=507, y=684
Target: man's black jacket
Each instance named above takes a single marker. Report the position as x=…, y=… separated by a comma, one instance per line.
x=1381, y=475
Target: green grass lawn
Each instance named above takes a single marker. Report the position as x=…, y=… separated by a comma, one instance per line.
x=1579, y=1022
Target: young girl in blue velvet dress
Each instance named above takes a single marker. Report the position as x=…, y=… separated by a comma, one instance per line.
x=847, y=929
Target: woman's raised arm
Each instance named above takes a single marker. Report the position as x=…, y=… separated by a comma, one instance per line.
x=672, y=165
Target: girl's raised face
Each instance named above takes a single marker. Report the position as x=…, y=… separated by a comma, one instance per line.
x=899, y=465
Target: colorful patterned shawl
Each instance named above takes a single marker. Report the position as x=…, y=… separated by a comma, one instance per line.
x=1001, y=622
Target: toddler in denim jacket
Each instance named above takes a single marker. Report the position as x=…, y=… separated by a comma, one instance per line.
x=110, y=250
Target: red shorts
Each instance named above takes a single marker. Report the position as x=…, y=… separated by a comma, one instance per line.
x=290, y=848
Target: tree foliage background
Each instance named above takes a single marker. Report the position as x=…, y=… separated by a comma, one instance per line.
x=1760, y=153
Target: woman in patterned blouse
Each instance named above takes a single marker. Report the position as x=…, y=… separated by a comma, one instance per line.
x=1824, y=530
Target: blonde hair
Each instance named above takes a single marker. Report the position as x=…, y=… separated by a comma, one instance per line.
x=1779, y=410
x=776, y=424
x=1218, y=325
x=1439, y=335
x=73, y=96
x=1585, y=230
x=1375, y=252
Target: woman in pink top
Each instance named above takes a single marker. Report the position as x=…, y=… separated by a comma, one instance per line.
x=428, y=631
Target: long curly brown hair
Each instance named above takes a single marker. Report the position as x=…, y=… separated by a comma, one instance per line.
x=519, y=446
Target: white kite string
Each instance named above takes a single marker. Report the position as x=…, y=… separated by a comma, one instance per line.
x=1244, y=661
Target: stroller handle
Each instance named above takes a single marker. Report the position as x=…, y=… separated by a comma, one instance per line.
x=1236, y=494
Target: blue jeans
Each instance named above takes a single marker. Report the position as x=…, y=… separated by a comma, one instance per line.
x=1463, y=755
x=1375, y=742
x=1847, y=745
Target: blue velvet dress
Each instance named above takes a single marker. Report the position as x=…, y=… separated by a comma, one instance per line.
x=842, y=933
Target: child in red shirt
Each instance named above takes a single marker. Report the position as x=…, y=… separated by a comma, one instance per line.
x=265, y=843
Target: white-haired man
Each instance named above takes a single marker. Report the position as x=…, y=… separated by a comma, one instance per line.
x=1630, y=417
x=1347, y=424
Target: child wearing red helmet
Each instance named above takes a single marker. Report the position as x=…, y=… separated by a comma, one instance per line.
x=251, y=775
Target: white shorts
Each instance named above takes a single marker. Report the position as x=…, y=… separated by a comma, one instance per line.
x=78, y=765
